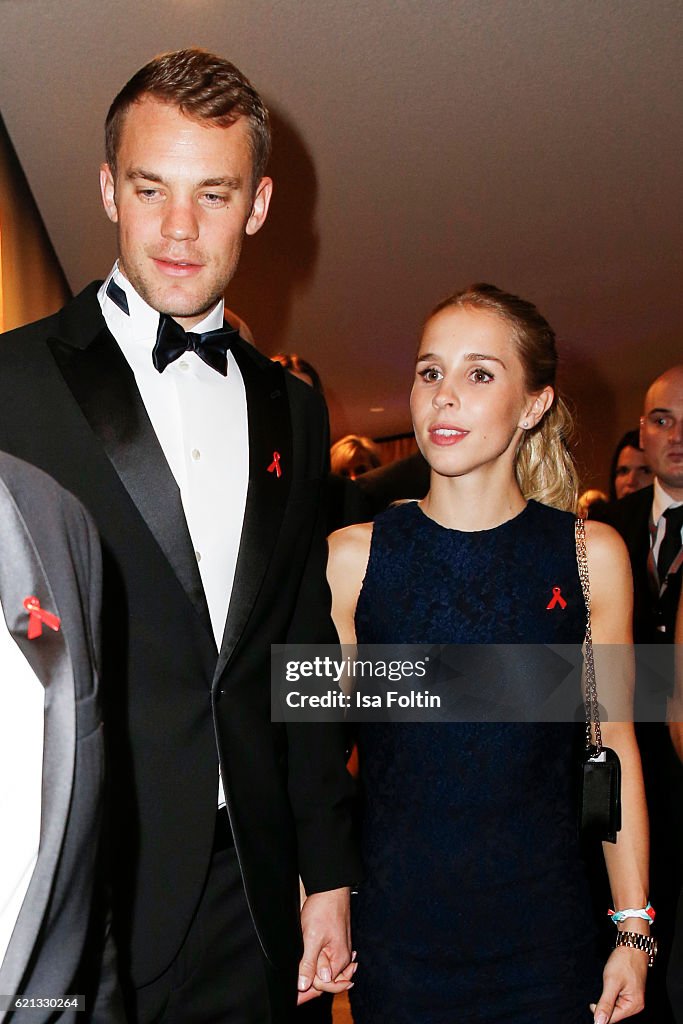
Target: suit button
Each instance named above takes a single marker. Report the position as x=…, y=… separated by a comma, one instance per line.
x=196, y=454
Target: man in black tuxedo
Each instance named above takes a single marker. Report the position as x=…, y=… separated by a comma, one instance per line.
x=203, y=464
x=651, y=520
x=651, y=523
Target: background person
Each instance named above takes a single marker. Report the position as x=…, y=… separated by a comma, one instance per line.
x=588, y=500
x=475, y=907
x=629, y=471
x=353, y=455
x=53, y=931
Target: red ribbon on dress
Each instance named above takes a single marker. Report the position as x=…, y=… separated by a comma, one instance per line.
x=37, y=616
x=556, y=599
x=274, y=467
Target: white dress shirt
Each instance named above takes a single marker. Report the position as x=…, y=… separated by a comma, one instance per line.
x=22, y=704
x=200, y=420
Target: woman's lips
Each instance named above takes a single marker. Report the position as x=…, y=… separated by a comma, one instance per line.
x=443, y=435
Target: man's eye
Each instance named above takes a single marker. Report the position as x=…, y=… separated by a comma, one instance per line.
x=148, y=193
x=213, y=199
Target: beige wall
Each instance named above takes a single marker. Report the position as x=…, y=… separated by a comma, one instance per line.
x=32, y=282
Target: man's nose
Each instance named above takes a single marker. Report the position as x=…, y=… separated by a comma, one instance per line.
x=676, y=432
x=180, y=222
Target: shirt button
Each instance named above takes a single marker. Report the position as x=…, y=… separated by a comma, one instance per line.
x=196, y=454
x=198, y=556
x=183, y=365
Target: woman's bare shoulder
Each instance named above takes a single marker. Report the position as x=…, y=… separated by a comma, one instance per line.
x=352, y=543
x=605, y=547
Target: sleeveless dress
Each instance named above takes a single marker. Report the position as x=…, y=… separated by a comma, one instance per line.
x=474, y=908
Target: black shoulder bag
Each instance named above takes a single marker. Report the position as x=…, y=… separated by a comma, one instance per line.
x=600, y=770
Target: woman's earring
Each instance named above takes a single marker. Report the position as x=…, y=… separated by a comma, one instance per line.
x=525, y=424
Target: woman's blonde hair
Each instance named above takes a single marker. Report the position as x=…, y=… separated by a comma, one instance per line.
x=543, y=463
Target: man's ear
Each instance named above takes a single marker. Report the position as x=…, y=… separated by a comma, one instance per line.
x=108, y=193
x=259, y=207
x=536, y=409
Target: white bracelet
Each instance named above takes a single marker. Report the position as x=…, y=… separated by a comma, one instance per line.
x=646, y=913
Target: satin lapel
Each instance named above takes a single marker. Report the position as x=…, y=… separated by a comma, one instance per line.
x=22, y=575
x=270, y=450
x=635, y=530
x=104, y=386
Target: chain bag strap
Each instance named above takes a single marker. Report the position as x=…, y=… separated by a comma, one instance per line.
x=600, y=774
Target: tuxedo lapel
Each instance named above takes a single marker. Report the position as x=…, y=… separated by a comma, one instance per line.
x=635, y=529
x=22, y=575
x=270, y=473
x=103, y=384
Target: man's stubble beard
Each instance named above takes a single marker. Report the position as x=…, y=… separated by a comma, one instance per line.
x=672, y=484
x=196, y=306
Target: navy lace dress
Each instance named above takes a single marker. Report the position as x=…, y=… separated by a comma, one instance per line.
x=475, y=906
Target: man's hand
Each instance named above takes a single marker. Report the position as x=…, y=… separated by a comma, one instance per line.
x=327, y=964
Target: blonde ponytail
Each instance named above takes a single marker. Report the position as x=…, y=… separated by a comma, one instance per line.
x=543, y=464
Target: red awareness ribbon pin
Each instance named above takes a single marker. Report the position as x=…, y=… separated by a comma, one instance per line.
x=556, y=599
x=37, y=616
x=274, y=467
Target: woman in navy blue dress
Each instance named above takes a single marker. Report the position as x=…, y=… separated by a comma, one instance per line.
x=475, y=908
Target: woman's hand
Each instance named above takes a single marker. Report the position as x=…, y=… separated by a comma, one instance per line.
x=623, y=986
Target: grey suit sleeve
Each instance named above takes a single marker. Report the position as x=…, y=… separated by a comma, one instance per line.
x=108, y=1007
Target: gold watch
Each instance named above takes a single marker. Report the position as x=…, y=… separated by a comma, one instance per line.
x=646, y=943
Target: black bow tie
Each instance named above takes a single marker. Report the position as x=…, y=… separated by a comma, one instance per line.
x=173, y=340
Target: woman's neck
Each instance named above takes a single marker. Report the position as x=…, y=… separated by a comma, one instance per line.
x=471, y=502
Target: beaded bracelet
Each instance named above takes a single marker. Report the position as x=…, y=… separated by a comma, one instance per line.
x=646, y=913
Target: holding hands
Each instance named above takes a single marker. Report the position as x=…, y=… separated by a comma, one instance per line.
x=327, y=964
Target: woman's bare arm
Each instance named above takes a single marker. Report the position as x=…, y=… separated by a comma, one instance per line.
x=349, y=550
x=627, y=860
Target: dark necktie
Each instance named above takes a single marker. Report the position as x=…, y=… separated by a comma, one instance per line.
x=671, y=544
x=211, y=346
